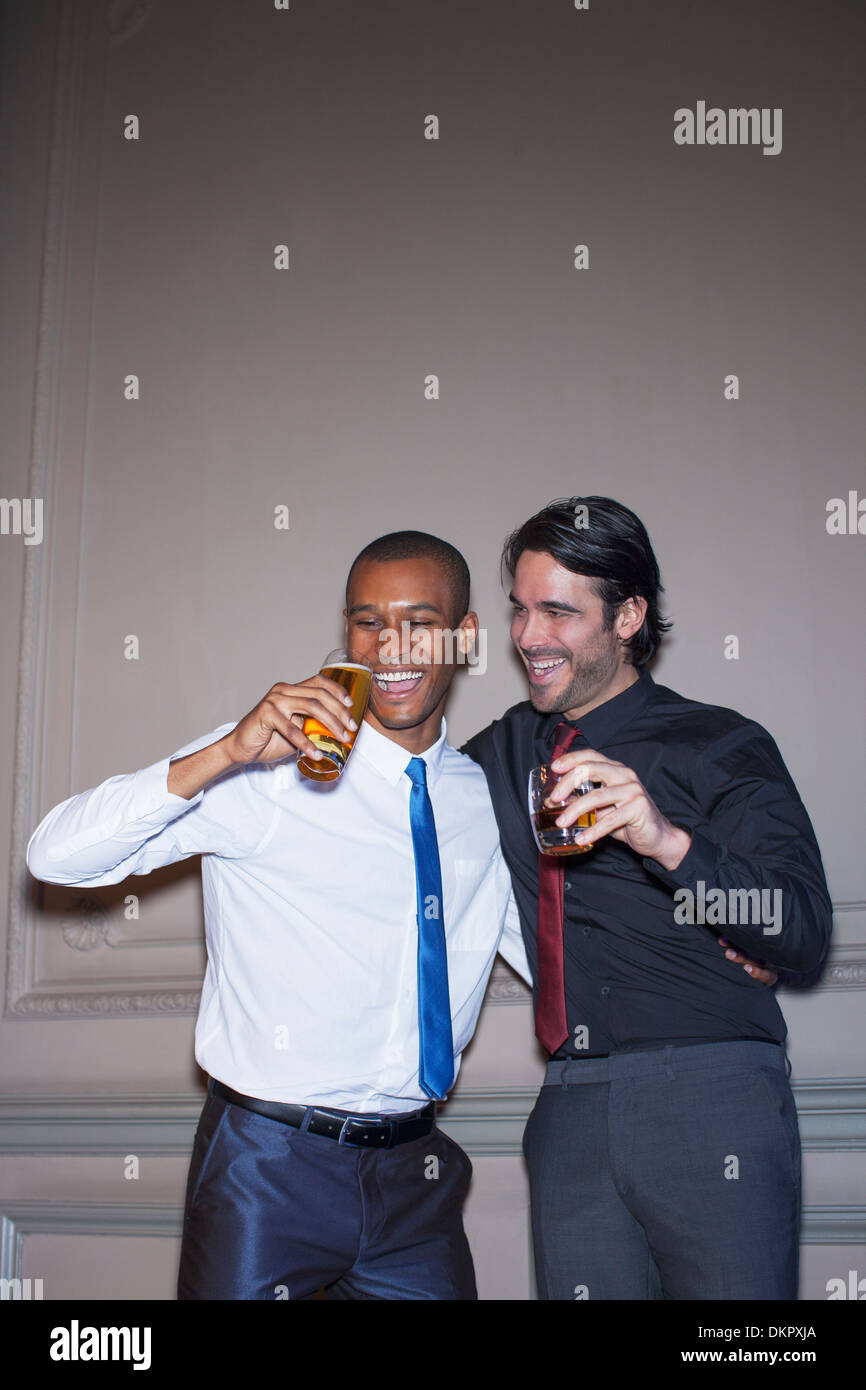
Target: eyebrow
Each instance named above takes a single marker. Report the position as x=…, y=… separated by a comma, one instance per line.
x=407, y=608
x=548, y=603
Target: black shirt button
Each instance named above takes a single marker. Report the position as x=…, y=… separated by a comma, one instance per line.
x=605, y=991
x=587, y=930
x=567, y=884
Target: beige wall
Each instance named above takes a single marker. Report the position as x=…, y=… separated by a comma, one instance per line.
x=305, y=388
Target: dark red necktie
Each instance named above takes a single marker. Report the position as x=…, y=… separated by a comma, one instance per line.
x=551, y=1027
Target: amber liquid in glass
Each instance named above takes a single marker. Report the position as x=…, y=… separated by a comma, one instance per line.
x=555, y=839
x=356, y=681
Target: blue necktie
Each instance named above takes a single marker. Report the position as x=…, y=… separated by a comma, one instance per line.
x=436, y=1067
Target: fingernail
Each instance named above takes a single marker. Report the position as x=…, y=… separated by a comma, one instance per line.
x=730, y=954
x=347, y=699
x=749, y=969
x=352, y=724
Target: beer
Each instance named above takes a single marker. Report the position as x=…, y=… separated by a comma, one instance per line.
x=550, y=837
x=356, y=680
x=557, y=839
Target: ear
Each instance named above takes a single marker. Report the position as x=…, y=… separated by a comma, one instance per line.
x=629, y=618
x=467, y=632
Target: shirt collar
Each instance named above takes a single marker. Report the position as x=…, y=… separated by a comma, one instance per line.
x=599, y=726
x=390, y=760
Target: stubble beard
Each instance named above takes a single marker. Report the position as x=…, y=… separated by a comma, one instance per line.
x=592, y=675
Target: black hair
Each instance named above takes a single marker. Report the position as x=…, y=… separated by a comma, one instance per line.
x=417, y=545
x=602, y=539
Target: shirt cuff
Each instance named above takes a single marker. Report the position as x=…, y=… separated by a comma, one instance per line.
x=152, y=802
x=701, y=861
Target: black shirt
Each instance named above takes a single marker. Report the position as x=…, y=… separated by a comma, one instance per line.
x=642, y=969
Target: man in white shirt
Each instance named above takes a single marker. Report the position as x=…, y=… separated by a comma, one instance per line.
x=317, y=985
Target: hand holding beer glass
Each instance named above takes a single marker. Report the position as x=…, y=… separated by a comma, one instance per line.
x=543, y=811
x=356, y=678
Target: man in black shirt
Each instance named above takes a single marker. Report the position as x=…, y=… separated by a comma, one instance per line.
x=663, y=1150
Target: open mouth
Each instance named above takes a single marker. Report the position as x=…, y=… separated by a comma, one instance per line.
x=545, y=669
x=396, y=685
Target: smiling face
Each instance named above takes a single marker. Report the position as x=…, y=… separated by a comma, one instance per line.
x=573, y=662
x=413, y=666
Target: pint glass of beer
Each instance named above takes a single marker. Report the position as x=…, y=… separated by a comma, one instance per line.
x=356, y=678
x=550, y=837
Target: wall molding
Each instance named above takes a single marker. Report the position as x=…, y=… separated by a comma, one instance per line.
x=59, y=425
x=19, y=1219
x=844, y=969
x=487, y=1122
x=820, y=1225
x=506, y=987
x=87, y=39
x=833, y=1225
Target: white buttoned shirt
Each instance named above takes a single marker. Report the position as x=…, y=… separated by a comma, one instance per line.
x=310, y=992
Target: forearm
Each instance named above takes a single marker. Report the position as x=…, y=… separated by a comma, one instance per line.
x=189, y=775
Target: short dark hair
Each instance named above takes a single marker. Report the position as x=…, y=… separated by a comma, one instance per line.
x=419, y=545
x=613, y=548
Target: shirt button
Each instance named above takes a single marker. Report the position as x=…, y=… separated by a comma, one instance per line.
x=567, y=884
x=587, y=930
x=605, y=991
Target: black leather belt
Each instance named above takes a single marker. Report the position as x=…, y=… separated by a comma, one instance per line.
x=364, y=1131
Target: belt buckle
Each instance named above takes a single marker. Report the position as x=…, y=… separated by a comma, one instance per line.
x=386, y=1127
x=322, y=1122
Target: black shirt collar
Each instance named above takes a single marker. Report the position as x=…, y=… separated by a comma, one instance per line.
x=599, y=726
